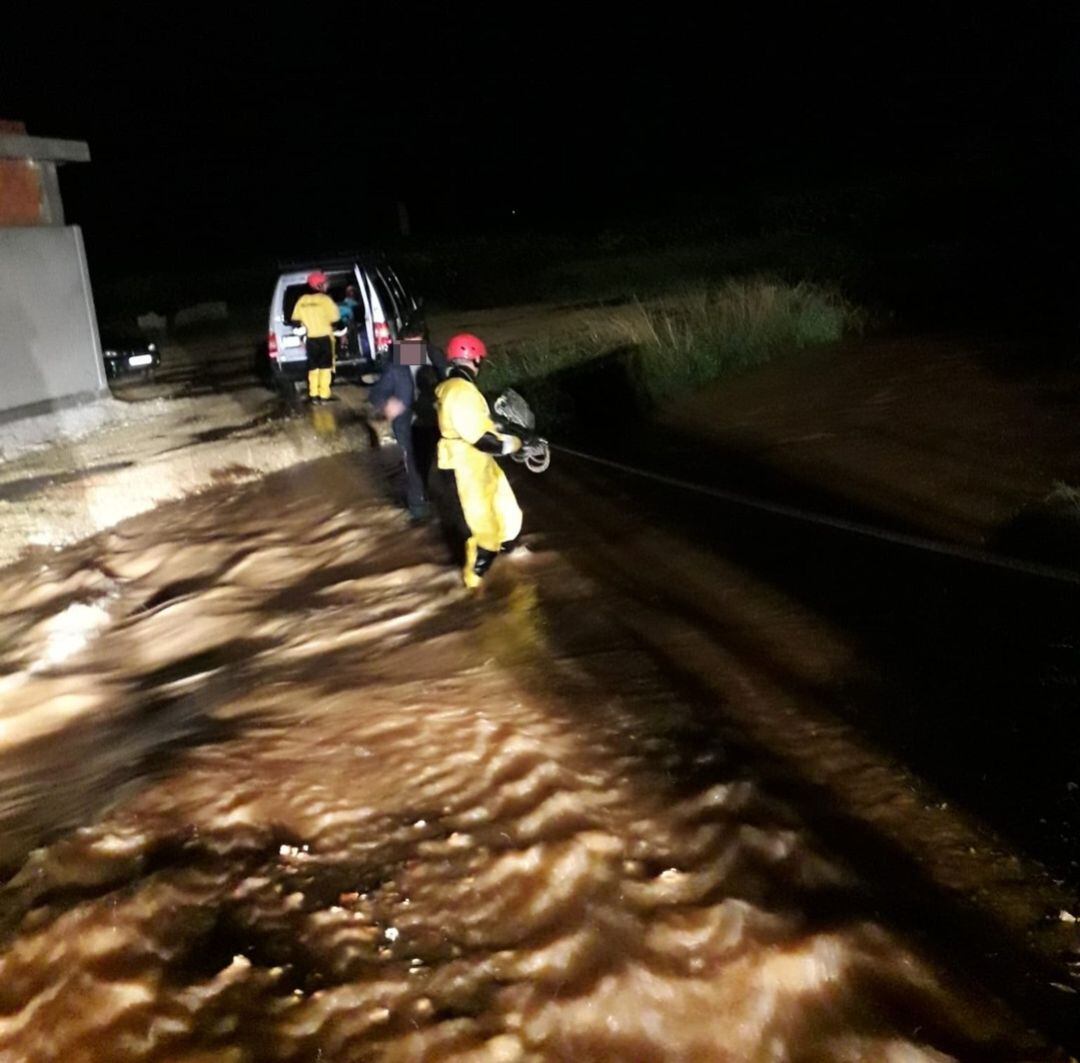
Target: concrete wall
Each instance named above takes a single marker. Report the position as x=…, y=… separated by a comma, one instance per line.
x=50, y=355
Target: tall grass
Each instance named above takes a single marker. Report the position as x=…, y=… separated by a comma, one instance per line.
x=1065, y=498
x=690, y=338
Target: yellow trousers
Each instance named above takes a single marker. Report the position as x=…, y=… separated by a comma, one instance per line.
x=318, y=382
x=487, y=499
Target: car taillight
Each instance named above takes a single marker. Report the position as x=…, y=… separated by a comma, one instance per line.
x=382, y=336
x=271, y=344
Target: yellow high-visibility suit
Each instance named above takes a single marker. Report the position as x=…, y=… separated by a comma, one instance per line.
x=318, y=313
x=487, y=499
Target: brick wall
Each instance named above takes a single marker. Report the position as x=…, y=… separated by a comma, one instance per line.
x=21, y=199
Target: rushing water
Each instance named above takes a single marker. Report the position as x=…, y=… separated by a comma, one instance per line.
x=274, y=788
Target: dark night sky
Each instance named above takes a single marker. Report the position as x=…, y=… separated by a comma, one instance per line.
x=226, y=129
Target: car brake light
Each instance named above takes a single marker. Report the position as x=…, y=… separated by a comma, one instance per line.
x=271, y=344
x=382, y=336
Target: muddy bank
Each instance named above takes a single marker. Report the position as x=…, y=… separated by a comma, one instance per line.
x=957, y=436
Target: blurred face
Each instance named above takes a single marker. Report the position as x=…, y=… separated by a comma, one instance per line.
x=411, y=352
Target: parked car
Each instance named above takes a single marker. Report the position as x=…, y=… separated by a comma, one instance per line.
x=126, y=356
x=384, y=308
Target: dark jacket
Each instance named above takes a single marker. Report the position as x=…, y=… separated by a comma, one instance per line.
x=395, y=382
x=398, y=381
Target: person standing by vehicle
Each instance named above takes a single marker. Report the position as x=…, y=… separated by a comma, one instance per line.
x=319, y=316
x=405, y=380
x=468, y=444
x=349, y=309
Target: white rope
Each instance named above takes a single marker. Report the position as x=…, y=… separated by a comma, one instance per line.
x=915, y=542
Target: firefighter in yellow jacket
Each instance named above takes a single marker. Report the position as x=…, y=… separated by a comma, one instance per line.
x=468, y=444
x=319, y=315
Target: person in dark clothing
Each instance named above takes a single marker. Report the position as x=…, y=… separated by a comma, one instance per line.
x=405, y=395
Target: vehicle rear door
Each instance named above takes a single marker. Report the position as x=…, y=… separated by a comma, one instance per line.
x=291, y=346
x=368, y=326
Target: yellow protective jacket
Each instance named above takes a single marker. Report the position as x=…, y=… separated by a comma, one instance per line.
x=487, y=499
x=317, y=312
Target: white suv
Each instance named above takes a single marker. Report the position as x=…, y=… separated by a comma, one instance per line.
x=384, y=308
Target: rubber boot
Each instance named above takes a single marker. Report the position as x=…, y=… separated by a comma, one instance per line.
x=477, y=562
x=484, y=559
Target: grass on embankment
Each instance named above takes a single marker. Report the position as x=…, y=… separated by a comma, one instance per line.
x=688, y=339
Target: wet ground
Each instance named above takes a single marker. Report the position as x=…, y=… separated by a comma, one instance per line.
x=957, y=436
x=684, y=782
x=275, y=788
x=171, y=445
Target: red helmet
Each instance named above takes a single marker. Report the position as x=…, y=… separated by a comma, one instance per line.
x=318, y=279
x=466, y=345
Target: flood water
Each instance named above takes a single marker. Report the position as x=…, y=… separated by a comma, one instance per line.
x=273, y=787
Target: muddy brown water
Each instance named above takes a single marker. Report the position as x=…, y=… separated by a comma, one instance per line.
x=272, y=787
